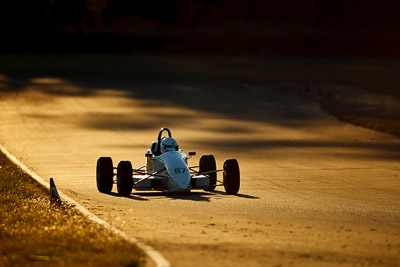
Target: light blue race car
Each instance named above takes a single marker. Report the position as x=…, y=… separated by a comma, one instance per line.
x=167, y=170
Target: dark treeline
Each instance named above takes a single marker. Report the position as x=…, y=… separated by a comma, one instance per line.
x=28, y=15
x=307, y=19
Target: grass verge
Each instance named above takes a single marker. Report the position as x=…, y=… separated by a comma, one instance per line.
x=35, y=233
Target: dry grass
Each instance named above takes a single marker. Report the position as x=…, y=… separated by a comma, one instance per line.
x=35, y=233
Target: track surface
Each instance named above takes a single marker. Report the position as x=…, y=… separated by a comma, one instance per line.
x=314, y=190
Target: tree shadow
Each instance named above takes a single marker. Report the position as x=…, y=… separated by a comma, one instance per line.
x=233, y=101
x=163, y=82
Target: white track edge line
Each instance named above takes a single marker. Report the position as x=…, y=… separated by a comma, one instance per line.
x=154, y=255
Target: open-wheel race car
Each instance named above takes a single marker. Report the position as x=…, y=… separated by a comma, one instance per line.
x=167, y=170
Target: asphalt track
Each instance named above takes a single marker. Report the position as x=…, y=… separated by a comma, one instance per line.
x=314, y=190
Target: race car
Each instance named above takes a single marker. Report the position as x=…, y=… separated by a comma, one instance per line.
x=166, y=170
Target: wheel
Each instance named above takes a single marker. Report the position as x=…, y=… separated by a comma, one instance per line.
x=231, y=176
x=104, y=174
x=207, y=163
x=124, y=178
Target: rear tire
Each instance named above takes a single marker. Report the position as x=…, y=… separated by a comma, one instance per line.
x=207, y=163
x=124, y=178
x=104, y=174
x=231, y=176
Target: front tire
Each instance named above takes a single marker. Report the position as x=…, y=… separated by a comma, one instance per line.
x=231, y=176
x=104, y=174
x=207, y=163
x=124, y=178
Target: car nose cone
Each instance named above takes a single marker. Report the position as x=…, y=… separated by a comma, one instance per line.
x=178, y=186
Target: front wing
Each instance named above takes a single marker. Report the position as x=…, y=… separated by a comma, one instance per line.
x=158, y=183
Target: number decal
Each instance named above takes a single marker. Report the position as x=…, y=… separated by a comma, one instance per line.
x=180, y=170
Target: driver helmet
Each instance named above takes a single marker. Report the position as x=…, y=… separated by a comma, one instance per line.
x=169, y=144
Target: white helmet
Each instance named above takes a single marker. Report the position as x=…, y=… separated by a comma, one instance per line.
x=168, y=144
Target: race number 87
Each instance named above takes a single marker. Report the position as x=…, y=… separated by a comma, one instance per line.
x=180, y=170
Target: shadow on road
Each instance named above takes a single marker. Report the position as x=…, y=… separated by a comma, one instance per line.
x=192, y=196
x=134, y=197
x=209, y=87
x=199, y=83
x=237, y=195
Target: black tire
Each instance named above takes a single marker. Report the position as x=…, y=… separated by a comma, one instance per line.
x=207, y=163
x=104, y=174
x=231, y=176
x=124, y=178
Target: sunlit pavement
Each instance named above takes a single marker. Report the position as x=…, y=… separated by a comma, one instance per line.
x=313, y=191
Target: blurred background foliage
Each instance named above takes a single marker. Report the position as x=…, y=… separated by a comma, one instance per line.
x=271, y=27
